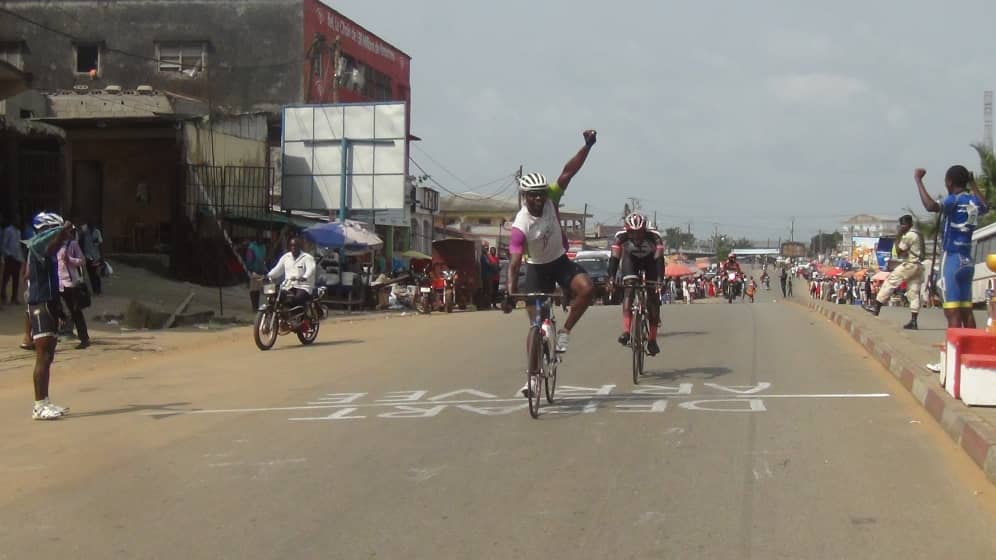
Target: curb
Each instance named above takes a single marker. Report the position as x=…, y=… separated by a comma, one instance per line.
x=975, y=436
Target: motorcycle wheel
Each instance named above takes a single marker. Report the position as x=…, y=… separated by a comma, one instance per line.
x=309, y=336
x=448, y=298
x=264, y=330
x=424, y=305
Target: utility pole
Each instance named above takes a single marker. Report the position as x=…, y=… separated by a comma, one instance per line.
x=655, y=219
x=518, y=175
x=584, y=225
x=792, y=230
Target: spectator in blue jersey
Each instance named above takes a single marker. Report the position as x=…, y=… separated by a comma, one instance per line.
x=960, y=211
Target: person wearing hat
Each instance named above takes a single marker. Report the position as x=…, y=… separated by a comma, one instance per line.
x=907, y=259
x=41, y=272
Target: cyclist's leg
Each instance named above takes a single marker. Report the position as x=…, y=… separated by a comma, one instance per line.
x=570, y=276
x=966, y=271
x=626, y=269
x=653, y=303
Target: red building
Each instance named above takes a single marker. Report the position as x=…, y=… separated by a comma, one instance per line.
x=368, y=68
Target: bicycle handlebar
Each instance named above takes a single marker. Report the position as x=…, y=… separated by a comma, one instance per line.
x=534, y=295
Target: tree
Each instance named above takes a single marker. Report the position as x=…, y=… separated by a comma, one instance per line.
x=986, y=180
x=675, y=238
x=825, y=242
x=743, y=243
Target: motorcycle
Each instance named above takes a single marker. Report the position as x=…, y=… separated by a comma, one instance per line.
x=448, y=299
x=766, y=280
x=732, y=288
x=275, y=317
x=423, y=293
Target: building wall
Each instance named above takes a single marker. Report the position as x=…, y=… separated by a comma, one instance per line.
x=130, y=220
x=357, y=45
x=253, y=53
x=240, y=141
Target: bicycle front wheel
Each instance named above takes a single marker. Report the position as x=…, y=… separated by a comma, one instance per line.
x=550, y=381
x=636, y=342
x=534, y=370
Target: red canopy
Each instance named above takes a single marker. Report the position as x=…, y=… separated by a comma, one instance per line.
x=677, y=270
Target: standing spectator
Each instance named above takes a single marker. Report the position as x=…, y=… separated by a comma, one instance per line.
x=496, y=267
x=790, y=286
x=486, y=273
x=13, y=257
x=961, y=210
x=92, y=240
x=41, y=272
x=784, y=280
x=70, y=260
x=255, y=258
x=907, y=255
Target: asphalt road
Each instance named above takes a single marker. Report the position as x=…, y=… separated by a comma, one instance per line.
x=759, y=432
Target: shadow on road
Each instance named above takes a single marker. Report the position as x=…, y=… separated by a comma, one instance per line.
x=680, y=333
x=694, y=372
x=166, y=408
x=323, y=343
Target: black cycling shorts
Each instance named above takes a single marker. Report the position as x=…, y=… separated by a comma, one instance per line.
x=632, y=266
x=547, y=276
x=44, y=320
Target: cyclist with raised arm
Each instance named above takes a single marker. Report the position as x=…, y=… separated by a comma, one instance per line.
x=537, y=235
x=637, y=249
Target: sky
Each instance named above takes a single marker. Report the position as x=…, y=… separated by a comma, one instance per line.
x=730, y=115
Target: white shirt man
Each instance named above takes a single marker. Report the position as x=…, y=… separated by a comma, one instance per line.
x=298, y=270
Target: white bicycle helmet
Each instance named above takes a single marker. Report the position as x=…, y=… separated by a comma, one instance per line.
x=46, y=220
x=635, y=221
x=533, y=182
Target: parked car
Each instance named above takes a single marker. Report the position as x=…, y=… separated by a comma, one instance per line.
x=503, y=279
x=596, y=264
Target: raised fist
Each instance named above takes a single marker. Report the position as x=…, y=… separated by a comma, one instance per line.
x=589, y=137
x=919, y=173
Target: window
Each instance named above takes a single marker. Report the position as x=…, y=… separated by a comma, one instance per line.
x=26, y=114
x=13, y=54
x=484, y=221
x=176, y=57
x=87, y=58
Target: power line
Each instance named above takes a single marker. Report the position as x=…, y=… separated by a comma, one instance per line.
x=441, y=166
x=455, y=194
x=108, y=48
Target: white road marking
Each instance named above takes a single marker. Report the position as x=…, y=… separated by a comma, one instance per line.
x=591, y=399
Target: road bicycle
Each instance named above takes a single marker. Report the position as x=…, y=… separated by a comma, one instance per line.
x=542, y=358
x=640, y=323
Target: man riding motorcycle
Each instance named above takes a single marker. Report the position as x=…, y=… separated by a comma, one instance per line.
x=639, y=250
x=731, y=273
x=298, y=271
x=731, y=265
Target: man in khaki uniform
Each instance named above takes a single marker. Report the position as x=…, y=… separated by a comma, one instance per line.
x=907, y=256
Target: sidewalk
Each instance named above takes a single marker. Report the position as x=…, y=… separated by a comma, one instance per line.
x=112, y=341
x=904, y=354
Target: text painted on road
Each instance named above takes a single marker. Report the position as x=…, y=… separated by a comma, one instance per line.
x=569, y=399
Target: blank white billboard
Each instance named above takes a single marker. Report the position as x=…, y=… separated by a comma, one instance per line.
x=376, y=165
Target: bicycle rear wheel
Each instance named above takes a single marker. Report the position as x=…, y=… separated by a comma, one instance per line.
x=534, y=370
x=636, y=342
